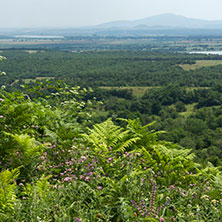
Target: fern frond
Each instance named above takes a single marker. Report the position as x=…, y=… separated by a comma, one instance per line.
x=7, y=190
x=128, y=143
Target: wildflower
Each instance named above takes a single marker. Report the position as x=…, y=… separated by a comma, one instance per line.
x=42, y=157
x=214, y=201
x=21, y=184
x=162, y=219
x=191, y=214
x=205, y=197
x=99, y=187
x=83, y=157
x=183, y=194
x=152, y=198
x=87, y=179
x=2, y=100
x=77, y=219
x=109, y=160
x=67, y=179
x=1, y=117
x=144, y=207
x=137, y=207
x=99, y=215
x=172, y=218
x=23, y=198
x=172, y=187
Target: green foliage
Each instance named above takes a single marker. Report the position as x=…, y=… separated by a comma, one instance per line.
x=100, y=174
x=2, y=58
x=23, y=151
x=8, y=191
x=107, y=135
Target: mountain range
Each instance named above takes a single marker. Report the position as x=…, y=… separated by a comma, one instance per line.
x=163, y=21
x=163, y=24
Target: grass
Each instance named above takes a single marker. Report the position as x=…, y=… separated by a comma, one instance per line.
x=138, y=91
x=32, y=80
x=200, y=64
x=31, y=51
x=189, y=111
x=37, y=78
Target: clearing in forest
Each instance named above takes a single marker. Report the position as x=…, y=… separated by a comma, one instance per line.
x=200, y=64
x=138, y=91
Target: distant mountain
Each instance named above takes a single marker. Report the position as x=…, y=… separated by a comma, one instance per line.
x=163, y=21
x=164, y=24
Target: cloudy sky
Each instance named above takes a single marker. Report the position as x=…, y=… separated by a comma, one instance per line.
x=76, y=13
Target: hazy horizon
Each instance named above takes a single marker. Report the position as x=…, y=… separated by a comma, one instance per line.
x=73, y=13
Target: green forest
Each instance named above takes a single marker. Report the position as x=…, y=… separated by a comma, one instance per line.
x=112, y=135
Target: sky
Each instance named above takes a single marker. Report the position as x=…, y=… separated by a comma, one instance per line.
x=77, y=13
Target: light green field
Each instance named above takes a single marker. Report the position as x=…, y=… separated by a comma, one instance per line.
x=200, y=64
x=138, y=91
x=37, y=78
x=189, y=111
x=31, y=51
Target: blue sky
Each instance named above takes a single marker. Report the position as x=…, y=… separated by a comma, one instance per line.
x=76, y=13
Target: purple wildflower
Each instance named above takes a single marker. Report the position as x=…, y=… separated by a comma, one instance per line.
x=152, y=199
x=67, y=179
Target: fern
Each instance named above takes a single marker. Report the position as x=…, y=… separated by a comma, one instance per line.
x=174, y=153
x=7, y=190
x=27, y=145
x=107, y=134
